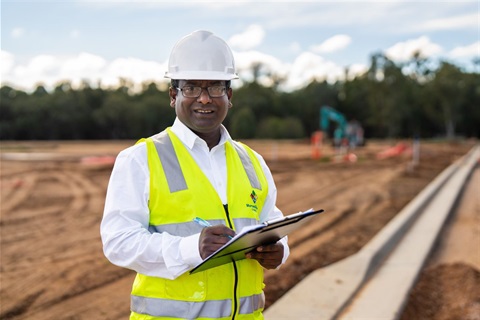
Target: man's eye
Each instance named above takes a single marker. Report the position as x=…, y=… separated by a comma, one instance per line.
x=188, y=88
x=217, y=89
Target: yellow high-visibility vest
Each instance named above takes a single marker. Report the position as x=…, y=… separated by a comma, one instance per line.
x=179, y=192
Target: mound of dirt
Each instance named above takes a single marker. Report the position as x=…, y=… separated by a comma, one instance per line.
x=445, y=292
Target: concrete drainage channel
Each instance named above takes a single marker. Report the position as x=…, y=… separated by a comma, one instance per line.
x=375, y=282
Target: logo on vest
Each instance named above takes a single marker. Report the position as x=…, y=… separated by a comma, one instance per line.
x=254, y=198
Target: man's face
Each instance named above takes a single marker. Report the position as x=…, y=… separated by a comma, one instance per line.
x=203, y=114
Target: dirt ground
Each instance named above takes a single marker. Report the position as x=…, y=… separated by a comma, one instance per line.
x=52, y=194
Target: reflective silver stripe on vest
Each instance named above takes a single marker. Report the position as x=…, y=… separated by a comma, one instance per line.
x=253, y=303
x=186, y=229
x=248, y=165
x=191, y=310
x=181, y=309
x=169, y=160
x=173, y=172
x=244, y=222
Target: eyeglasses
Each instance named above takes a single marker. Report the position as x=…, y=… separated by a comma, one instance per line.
x=195, y=92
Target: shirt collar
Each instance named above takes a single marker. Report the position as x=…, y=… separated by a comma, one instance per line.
x=189, y=138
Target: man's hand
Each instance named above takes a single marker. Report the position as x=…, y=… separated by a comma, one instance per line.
x=212, y=238
x=269, y=256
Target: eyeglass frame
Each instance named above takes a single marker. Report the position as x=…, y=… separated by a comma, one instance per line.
x=202, y=88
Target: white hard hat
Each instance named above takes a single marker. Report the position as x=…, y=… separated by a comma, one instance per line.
x=201, y=55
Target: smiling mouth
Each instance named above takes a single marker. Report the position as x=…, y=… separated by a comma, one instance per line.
x=204, y=111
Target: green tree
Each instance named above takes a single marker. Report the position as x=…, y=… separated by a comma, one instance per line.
x=450, y=92
x=243, y=124
x=470, y=110
x=280, y=128
x=7, y=113
x=116, y=116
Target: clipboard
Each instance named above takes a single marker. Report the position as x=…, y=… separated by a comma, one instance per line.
x=253, y=236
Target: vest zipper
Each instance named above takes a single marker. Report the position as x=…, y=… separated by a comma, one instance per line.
x=235, y=284
x=235, y=300
x=230, y=225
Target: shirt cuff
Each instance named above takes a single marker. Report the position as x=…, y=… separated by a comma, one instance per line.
x=189, y=250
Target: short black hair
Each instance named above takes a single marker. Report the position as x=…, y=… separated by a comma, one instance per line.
x=174, y=83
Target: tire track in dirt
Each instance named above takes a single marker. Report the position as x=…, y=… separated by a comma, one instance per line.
x=15, y=190
x=108, y=301
x=364, y=191
x=55, y=209
x=353, y=199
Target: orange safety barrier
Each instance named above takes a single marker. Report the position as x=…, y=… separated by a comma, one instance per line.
x=316, y=142
x=400, y=148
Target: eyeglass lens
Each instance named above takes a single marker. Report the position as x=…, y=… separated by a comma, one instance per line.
x=195, y=92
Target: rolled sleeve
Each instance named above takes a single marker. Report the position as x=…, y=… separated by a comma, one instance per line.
x=127, y=241
x=189, y=250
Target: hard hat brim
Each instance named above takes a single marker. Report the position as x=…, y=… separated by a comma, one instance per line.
x=201, y=75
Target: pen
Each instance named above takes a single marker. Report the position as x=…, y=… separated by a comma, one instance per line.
x=205, y=223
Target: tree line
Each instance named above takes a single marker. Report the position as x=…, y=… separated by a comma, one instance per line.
x=390, y=100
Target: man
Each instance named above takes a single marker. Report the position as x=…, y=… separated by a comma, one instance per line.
x=191, y=170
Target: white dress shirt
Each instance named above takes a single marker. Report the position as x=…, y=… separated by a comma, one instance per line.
x=124, y=228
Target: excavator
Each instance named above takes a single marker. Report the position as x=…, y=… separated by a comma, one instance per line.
x=348, y=134
x=328, y=114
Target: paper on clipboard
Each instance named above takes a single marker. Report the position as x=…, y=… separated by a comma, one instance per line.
x=253, y=236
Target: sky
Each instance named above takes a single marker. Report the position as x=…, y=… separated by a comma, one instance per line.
x=46, y=42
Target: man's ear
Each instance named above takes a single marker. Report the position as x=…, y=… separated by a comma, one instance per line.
x=172, y=92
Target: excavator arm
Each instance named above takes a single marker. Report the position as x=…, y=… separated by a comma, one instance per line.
x=328, y=114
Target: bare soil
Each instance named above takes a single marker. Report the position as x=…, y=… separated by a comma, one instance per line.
x=52, y=195
x=449, y=286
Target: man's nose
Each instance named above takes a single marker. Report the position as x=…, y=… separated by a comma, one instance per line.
x=204, y=97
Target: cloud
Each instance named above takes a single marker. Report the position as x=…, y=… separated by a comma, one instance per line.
x=50, y=70
x=309, y=66
x=41, y=65
x=245, y=60
x=134, y=69
x=404, y=51
x=450, y=23
x=305, y=68
x=17, y=33
x=41, y=69
x=8, y=61
x=270, y=66
x=83, y=67
x=469, y=51
x=249, y=39
x=356, y=69
x=333, y=44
